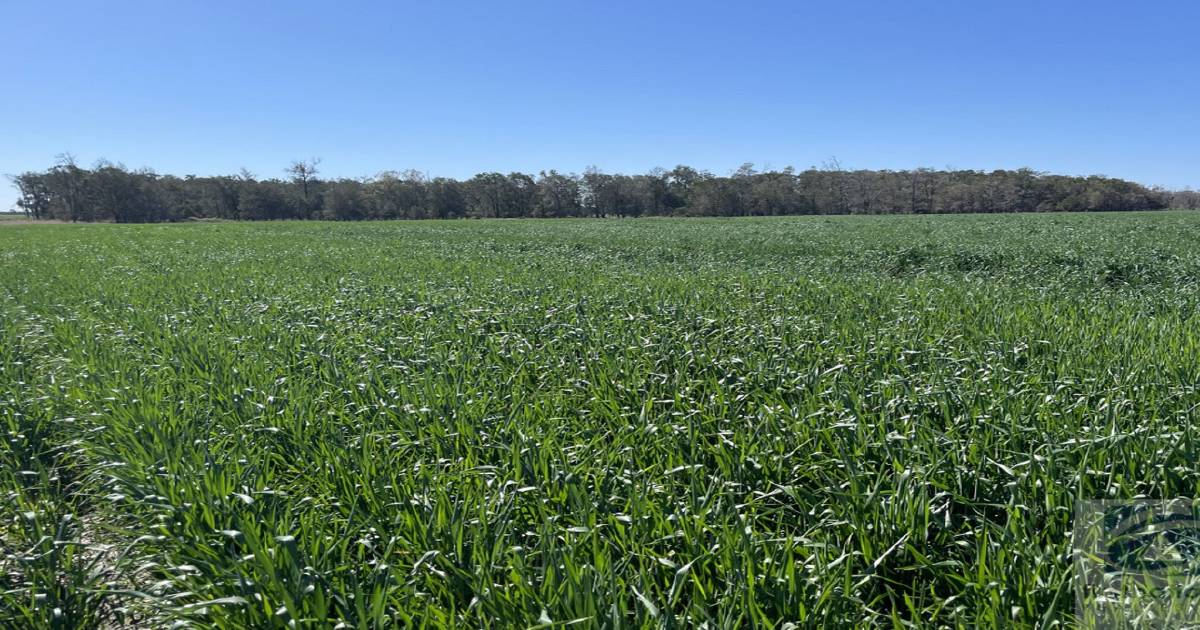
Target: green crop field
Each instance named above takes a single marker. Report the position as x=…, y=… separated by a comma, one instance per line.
x=812, y=421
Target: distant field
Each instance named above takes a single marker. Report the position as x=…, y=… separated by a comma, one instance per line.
x=629, y=423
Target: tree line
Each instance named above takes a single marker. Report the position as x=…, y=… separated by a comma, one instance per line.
x=112, y=193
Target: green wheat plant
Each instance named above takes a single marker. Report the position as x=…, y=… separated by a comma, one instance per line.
x=780, y=423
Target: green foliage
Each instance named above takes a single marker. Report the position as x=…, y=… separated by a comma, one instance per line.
x=847, y=421
x=111, y=193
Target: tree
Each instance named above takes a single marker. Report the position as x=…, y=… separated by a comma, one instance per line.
x=658, y=191
x=68, y=182
x=111, y=192
x=557, y=195
x=35, y=195
x=600, y=194
x=304, y=174
x=681, y=183
x=446, y=198
x=115, y=195
x=1186, y=199
x=218, y=196
x=397, y=195
x=486, y=195
x=261, y=201
x=521, y=195
x=344, y=201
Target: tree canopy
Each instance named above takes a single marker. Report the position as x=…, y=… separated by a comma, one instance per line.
x=111, y=192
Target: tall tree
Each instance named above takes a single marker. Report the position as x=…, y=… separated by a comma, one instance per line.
x=110, y=192
x=557, y=194
x=35, y=194
x=69, y=182
x=304, y=174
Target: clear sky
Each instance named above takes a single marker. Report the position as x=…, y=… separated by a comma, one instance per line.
x=208, y=87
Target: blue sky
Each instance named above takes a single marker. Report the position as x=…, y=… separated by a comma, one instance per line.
x=456, y=88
